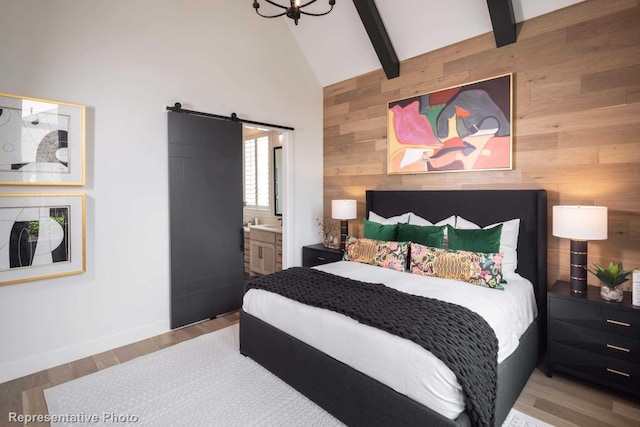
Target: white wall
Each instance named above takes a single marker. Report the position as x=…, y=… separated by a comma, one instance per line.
x=126, y=60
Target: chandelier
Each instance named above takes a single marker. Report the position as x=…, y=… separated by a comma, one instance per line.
x=294, y=11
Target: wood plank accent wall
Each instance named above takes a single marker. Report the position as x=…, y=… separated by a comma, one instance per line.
x=576, y=121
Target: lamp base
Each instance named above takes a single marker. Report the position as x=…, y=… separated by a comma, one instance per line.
x=344, y=229
x=578, y=288
x=578, y=282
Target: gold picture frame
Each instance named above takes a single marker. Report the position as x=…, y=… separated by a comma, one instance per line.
x=41, y=236
x=42, y=142
x=460, y=128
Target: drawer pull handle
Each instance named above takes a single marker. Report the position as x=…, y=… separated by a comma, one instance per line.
x=613, y=371
x=615, y=347
x=321, y=258
x=615, y=322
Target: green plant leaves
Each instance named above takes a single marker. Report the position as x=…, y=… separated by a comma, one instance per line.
x=612, y=275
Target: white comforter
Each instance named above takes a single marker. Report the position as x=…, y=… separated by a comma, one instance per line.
x=401, y=364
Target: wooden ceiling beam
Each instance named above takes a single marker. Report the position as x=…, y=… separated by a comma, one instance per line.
x=379, y=38
x=503, y=21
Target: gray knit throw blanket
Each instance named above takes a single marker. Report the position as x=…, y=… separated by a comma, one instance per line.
x=460, y=338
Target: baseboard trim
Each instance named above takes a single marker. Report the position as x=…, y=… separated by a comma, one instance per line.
x=36, y=363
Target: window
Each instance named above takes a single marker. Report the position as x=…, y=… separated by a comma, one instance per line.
x=256, y=172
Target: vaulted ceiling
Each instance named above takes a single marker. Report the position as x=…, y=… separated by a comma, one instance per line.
x=338, y=46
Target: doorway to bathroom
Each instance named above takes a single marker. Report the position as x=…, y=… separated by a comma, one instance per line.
x=264, y=199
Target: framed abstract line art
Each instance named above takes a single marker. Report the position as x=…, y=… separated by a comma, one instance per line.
x=462, y=128
x=41, y=236
x=41, y=142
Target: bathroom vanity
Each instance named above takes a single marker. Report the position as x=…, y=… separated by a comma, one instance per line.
x=265, y=249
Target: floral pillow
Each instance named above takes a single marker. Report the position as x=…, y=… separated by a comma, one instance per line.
x=477, y=268
x=391, y=255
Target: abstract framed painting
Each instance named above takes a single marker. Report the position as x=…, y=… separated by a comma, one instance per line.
x=461, y=128
x=42, y=142
x=41, y=236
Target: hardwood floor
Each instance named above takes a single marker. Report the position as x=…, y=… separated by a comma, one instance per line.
x=567, y=401
x=560, y=401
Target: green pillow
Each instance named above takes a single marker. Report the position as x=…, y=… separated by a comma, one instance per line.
x=485, y=240
x=427, y=235
x=377, y=231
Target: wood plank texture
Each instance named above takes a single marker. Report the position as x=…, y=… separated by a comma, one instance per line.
x=34, y=403
x=576, y=121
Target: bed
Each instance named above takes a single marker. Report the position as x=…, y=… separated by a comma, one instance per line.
x=358, y=399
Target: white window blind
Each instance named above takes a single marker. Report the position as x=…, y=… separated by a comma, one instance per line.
x=256, y=172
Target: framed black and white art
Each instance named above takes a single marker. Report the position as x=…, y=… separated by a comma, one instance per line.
x=42, y=142
x=41, y=236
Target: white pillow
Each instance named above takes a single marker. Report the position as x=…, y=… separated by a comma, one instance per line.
x=417, y=220
x=404, y=218
x=508, y=241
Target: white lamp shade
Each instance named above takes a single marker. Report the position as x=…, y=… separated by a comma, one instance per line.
x=344, y=209
x=580, y=222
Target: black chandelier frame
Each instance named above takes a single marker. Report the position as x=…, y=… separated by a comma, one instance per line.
x=293, y=11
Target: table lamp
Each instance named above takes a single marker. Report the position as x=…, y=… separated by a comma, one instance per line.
x=580, y=224
x=344, y=210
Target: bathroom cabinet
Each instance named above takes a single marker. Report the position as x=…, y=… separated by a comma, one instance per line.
x=265, y=251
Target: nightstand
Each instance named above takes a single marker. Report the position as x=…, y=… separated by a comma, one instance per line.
x=313, y=255
x=594, y=339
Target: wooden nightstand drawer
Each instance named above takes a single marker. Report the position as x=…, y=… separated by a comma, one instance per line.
x=317, y=255
x=608, y=344
x=608, y=371
x=604, y=316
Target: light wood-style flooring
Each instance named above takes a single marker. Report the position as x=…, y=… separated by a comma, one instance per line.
x=560, y=401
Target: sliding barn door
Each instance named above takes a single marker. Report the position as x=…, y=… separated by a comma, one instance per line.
x=205, y=197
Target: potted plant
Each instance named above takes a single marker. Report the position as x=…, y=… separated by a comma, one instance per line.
x=612, y=276
x=328, y=231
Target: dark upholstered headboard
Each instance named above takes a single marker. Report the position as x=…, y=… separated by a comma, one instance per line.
x=483, y=207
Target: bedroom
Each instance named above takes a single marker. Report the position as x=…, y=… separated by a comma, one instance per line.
x=110, y=49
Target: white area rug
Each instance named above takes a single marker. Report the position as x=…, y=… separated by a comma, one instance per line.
x=201, y=382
